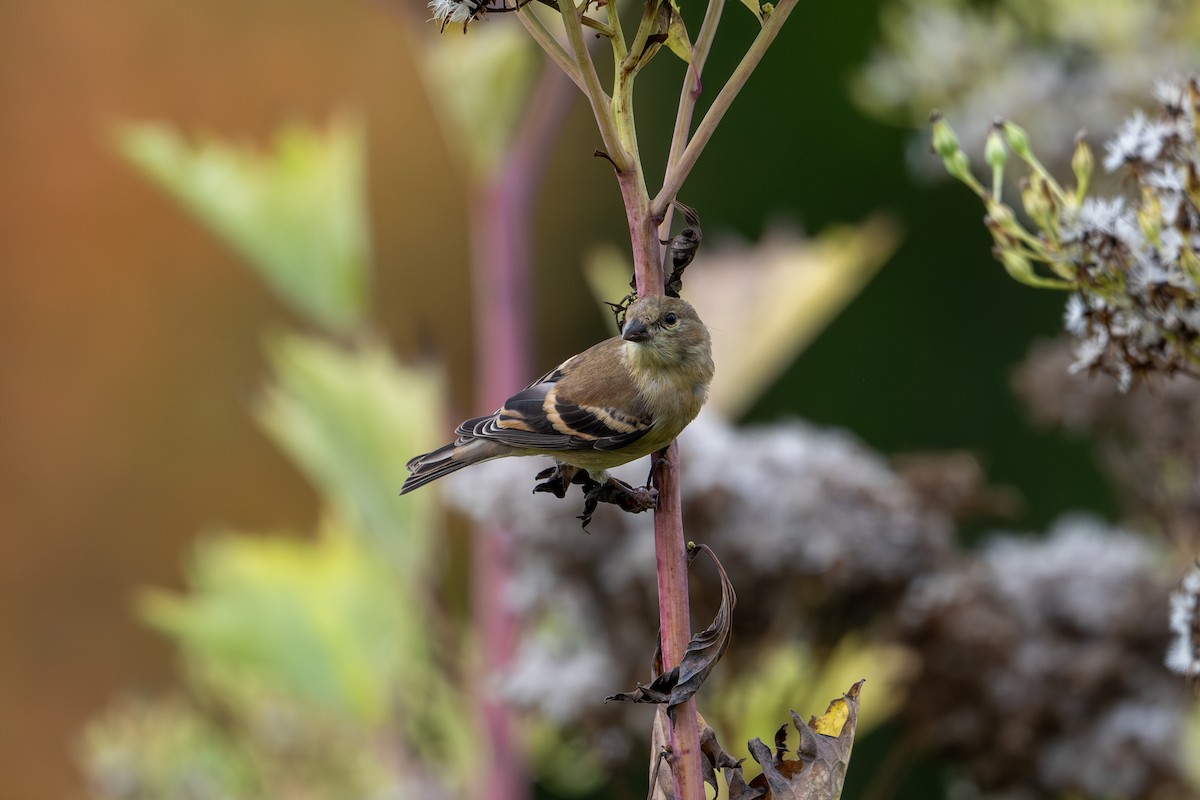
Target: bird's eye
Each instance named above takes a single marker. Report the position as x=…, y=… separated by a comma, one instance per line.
x=670, y=318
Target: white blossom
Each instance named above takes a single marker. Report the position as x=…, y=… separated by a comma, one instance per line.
x=1183, y=655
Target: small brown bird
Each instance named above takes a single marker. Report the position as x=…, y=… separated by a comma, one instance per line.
x=617, y=401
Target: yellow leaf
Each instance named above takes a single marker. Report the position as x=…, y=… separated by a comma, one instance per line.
x=677, y=36
x=831, y=722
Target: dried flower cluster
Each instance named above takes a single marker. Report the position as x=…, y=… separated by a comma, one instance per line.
x=1042, y=658
x=1043, y=667
x=1056, y=65
x=814, y=522
x=1131, y=263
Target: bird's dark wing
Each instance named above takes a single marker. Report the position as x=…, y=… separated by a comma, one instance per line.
x=560, y=410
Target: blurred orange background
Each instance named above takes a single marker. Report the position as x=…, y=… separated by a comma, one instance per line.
x=129, y=337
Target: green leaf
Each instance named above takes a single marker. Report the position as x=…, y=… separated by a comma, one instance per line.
x=677, y=35
x=318, y=620
x=296, y=212
x=307, y=639
x=351, y=419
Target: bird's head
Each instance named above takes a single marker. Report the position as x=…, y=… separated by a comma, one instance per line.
x=667, y=331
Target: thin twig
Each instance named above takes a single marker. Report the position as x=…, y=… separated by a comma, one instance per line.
x=600, y=102
x=689, y=93
x=704, y=131
x=618, y=37
x=553, y=48
x=633, y=55
x=597, y=25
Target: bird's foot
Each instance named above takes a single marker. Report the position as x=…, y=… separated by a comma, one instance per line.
x=633, y=499
x=558, y=479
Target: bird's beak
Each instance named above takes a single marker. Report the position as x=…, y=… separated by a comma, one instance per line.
x=635, y=331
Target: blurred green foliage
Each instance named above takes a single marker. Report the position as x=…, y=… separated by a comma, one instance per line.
x=789, y=675
x=163, y=749
x=315, y=620
x=296, y=213
x=478, y=86
x=351, y=418
x=316, y=667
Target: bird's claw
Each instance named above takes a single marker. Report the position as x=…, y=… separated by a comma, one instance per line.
x=556, y=484
x=558, y=479
x=631, y=499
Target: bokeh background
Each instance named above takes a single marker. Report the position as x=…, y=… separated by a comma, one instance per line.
x=130, y=339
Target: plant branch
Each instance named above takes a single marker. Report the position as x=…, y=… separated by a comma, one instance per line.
x=633, y=55
x=618, y=37
x=669, y=543
x=596, y=25
x=553, y=48
x=670, y=550
x=600, y=102
x=689, y=93
x=679, y=171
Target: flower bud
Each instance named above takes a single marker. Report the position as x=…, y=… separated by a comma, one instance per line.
x=1018, y=140
x=1001, y=215
x=994, y=151
x=959, y=166
x=1018, y=267
x=1036, y=198
x=945, y=142
x=1082, y=164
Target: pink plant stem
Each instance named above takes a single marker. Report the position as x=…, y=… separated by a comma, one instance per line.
x=670, y=548
x=500, y=214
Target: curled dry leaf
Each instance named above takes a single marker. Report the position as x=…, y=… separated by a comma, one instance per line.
x=682, y=250
x=703, y=651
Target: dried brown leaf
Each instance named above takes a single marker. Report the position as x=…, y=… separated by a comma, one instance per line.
x=683, y=247
x=822, y=757
x=713, y=756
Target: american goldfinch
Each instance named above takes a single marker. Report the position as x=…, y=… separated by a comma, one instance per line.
x=617, y=401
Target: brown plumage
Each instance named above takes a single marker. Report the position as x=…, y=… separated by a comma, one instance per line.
x=619, y=400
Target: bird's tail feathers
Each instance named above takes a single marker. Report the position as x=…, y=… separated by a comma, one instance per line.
x=450, y=458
